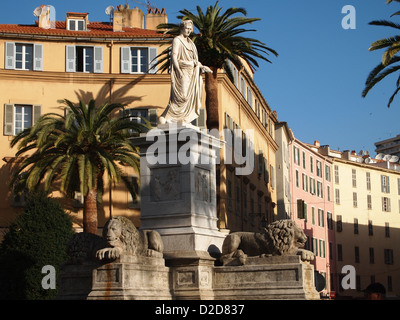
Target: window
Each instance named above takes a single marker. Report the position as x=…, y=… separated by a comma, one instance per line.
x=385, y=204
x=319, y=169
x=296, y=155
x=337, y=196
x=339, y=226
x=388, y=254
x=200, y=121
x=355, y=226
x=387, y=230
x=369, y=202
x=385, y=186
x=321, y=218
x=327, y=173
x=336, y=174
x=138, y=60
x=355, y=199
x=297, y=178
x=18, y=117
x=272, y=177
x=354, y=177
x=398, y=186
x=312, y=215
x=370, y=228
x=250, y=97
x=304, y=160
x=368, y=181
x=328, y=192
x=311, y=164
x=322, y=248
x=356, y=254
x=141, y=115
x=329, y=218
x=301, y=209
x=371, y=255
x=243, y=87
x=305, y=182
x=312, y=185
x=389, y=283
x=320, y=192
x=23, y=56
x=84, y=59
x=76, y=25
x=339, y=252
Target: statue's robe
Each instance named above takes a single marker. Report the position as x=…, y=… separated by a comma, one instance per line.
x=186, y=92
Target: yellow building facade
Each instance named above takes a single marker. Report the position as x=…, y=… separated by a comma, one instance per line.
x=367, y=223
x=112, y=62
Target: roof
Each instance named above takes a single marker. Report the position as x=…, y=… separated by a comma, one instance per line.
x=95, y=30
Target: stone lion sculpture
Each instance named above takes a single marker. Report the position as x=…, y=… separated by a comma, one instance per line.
x=123, y=238
x=282, y=237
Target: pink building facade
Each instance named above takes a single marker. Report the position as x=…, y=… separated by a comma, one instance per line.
x=312, y=206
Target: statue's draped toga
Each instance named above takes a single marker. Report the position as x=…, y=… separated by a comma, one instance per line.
x=186, y=79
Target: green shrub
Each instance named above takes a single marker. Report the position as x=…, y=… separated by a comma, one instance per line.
x=38, y=237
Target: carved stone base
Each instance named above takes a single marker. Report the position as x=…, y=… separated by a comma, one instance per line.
x=75, y=281
x=143, y=278
x=274, y=277
x=192, y=274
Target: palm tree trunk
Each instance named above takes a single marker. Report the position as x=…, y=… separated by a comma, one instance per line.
x=211, y=86
x=90, y=212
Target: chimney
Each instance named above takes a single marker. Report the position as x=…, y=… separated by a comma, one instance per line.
x=117, y=21
x=155, y=17
x=316, y=143
x=124, y=17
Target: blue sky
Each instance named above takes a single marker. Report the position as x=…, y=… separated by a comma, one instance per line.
x=316, y=82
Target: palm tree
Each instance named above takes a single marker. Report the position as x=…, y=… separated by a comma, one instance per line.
x=76, y=151
x=389, y=58
x=221, y=37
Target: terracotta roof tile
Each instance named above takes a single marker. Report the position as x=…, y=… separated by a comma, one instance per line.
x=95, y=29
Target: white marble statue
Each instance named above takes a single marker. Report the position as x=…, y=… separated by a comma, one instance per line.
x=186, y=79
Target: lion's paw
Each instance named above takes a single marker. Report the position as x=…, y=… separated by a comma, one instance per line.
x=306, y=255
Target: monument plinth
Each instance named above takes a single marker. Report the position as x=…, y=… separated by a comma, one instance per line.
x=178, y=187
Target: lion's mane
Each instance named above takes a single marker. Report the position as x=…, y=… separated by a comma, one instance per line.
x=281, y=234
x=130, y=237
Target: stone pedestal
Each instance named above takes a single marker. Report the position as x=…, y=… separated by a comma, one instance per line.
x=178, y=187
x=132, y=278
x=269, y=278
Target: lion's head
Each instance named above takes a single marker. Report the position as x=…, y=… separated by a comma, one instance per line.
x=121, y=232
x=287, y=236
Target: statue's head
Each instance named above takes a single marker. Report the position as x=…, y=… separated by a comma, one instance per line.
x=186, y=27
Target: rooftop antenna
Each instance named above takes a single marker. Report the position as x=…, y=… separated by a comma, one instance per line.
x=147, y=4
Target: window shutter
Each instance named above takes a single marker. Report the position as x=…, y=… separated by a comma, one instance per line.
x=36, y=114
x=125, y=60
x=9, y=119
x=38, y=57
x=98, y=60
x=266, y=173
x=153, y=117
x=260, y=162
x=10, y=55
x=300, y=209
x=153, y=60
x=70, y=59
